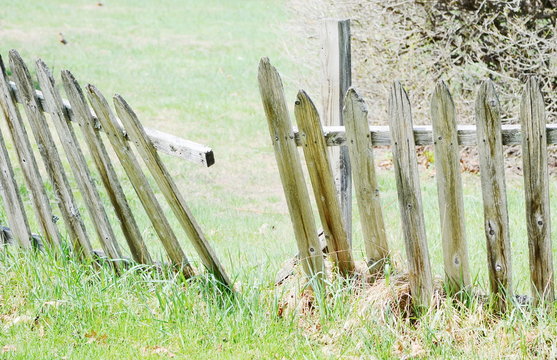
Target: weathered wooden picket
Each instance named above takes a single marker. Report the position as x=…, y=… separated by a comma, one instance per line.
x=121, y=131
x=359, y=138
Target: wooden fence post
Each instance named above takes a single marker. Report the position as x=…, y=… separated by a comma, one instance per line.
x=321, y=176
x=290, y=169
x=337, y=79
x=410, y=196
x=360, y=146
x=449, y=189
x=536, y=191
x=492, y=174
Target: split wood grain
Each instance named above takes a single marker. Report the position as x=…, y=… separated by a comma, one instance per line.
x=170, y=191
x=492, y=174
x=365, y=182
x=78, y=164
x=164, y=142
x=102, y=161
x=139, y=181
x=337, y=69
x=409, y=196
x=323, y=183
x=290, y=170
x=449, y=190
x=536, y=191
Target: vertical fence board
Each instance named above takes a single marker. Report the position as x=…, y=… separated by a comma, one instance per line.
x=337, y=79
x=102, y=161
x=27, y=161
x=492, y=174
x=91, y=197
x=536, y=191
x=409, y=195
x=449, y=189
x=51, y=158
x=290, y=169
x=139, y=181
x=323, y=183
x=168, y=187
x=365, y=183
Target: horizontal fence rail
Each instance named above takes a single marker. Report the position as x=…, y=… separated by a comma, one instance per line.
x=423, y=135
x=164, y=142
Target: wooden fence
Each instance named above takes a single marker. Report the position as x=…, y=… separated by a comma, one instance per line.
x=93, y=116
x=533, y=134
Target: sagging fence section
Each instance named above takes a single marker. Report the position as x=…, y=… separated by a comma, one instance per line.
x=90, y=112
x=533, y=134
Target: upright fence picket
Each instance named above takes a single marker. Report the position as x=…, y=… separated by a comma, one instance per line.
x=492, y=174
x=409, y=195
x=322, y=180
x=536, y=190
x=449, y=189
x=365, y=182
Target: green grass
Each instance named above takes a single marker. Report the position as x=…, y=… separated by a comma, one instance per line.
x=189, y=68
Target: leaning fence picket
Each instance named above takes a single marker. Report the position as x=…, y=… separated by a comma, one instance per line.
x=77, y=163
x=290, y=170
x=536, y=191
x=449, y=189
x=139, y=181
x=323, y=183
x=409, y=195
x=365, y=182
x=168, y=187
x=492, y=174
x=84, y=118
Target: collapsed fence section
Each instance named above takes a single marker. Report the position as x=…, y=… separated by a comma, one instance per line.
x=94, y=116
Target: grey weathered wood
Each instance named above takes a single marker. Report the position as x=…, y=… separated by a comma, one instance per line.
x=365, y=181
x=168, y=187
x=492, y=174
x=164, y=142
x=27, y=162
x=139, y=181
x=47, y=148
x=536, y=191
x=78, y=164
x=449, y=189
x=410, y=196
x=290, y=170
x=17, y=218
x=15, y=212
x=103, y=164
x=423, y=135
x=337, y=70
x=323, y=183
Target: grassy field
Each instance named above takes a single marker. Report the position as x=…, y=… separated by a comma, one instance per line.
x=189, y=68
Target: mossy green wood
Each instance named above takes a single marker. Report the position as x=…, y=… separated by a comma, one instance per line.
x=449, y=189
